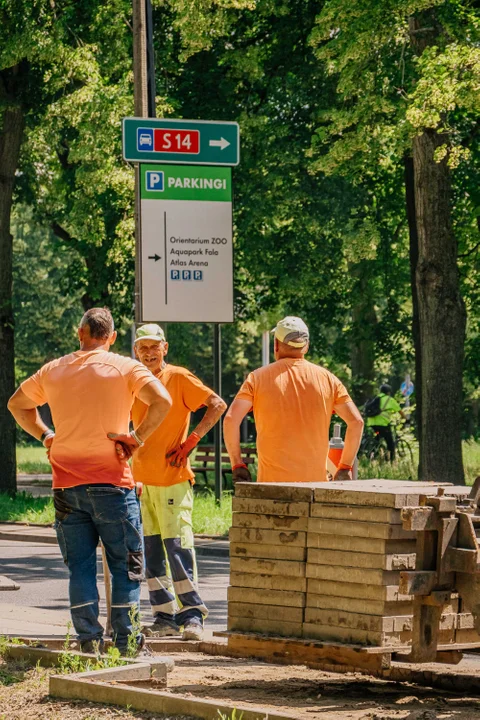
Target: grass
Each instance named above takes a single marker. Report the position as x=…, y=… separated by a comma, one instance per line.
x=32, y=459
x=27, y=509
x=210, y=518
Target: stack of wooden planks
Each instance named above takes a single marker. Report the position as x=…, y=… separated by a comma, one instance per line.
x=323, y=561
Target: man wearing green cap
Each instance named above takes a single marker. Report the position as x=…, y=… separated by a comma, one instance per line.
x=162, y=465
x=293, y=401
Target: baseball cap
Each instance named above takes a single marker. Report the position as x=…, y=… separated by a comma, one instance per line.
x=149, y=332
x=292, y=331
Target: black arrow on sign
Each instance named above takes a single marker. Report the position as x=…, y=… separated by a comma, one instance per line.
x=154, y=257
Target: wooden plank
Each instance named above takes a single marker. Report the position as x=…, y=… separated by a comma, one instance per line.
x=276, y=627
x=377, y=493
x=266, y=597
x=289, y=492
x=269, y=522
x=366, y=606
x=359, y=514
x=384, y=593
x=270, y=507
x=467, y=636
x=352, y=635
x=426, y=618
x=461, y=560
x=290, y=652
x=359, y=529
x=287, y=538
x=369, y=545
x=285, y=568
x=359, y=621
x=260, y=581
x=419, y=518
x=353, y=575
x=418, y=582
x=265, y=612
x=361, y=560
x=274, y=552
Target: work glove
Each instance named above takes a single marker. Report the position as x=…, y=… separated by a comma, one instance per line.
x=241, y=473
x=179, y=455
x=344, y=472
x=125, y=445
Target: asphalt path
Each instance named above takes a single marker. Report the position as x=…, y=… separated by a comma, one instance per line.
x=43, y=578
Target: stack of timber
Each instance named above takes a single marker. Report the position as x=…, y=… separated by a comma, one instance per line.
x=323, y=561
x=268, y=552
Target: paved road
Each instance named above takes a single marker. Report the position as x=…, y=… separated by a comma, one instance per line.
x=43, y=580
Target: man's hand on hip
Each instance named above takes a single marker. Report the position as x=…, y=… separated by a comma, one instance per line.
x=125, y=444
x=179, y=455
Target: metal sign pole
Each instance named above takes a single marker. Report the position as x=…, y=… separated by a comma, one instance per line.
x=217, y=386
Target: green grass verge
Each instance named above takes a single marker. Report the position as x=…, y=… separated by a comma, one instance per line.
x=32, y=459
x=208, y=517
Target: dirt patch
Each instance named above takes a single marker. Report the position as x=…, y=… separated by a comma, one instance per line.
x=24, y=696
x=313, y=694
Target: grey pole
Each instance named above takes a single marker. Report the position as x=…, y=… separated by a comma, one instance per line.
x=217, y=386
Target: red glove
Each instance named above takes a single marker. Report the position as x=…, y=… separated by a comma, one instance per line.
x=125, y=444
x=180, y=454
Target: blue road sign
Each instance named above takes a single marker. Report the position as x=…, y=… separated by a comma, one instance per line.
x=144, y=139
x=198, y=274
x=407, y=389
x=154, y=181
x=175, y=274
x=186, y=274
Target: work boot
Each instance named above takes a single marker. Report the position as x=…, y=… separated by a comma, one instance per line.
x=192, y=630
x=161, y=628
x=93, y=647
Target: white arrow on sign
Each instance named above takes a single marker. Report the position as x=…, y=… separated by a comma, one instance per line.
x=222, y=143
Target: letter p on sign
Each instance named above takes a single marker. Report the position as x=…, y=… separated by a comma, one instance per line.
x=154, y=181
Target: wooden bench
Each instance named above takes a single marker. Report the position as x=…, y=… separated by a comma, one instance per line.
x=205, y=460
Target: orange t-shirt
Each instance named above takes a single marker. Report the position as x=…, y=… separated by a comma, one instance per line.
x=188, y=393
x=90, y=394
x=293, y=402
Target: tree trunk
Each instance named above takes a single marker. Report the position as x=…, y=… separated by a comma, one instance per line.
x=412, y=229
x=11, y=134
x=364, y=321
x=442, y=316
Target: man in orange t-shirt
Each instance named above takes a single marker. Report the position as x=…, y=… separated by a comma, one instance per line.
x=162, y=465
x=293, y=401
x=90, y=393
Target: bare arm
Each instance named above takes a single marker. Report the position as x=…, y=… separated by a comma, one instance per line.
x=231, y=429
x=159, y=402
x=215, y=409
x=350, y=414
x=26, y=414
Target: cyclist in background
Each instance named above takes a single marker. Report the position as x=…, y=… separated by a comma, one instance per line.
x=382, y=422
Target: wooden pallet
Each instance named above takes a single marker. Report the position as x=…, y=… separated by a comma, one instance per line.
x=338, y=657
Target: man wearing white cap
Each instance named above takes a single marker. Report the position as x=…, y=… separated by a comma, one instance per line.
x=162, y=465
x=293, y=401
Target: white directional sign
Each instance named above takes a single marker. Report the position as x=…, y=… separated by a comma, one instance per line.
x=187, y=257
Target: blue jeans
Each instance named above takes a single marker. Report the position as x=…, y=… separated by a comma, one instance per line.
x=83, y=515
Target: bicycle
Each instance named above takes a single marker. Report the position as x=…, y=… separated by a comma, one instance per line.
x=374, y=447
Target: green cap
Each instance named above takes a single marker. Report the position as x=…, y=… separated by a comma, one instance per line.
x=149, y=332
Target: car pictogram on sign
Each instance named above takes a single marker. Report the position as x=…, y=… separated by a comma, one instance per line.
x=144, y=139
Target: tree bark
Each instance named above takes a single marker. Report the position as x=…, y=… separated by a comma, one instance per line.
x=364, y=321
x=11, y=134
x=413, y=235
x=442, y=316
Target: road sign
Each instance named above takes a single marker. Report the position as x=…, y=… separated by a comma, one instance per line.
x=189, y=142
x=407, y=388
x=186, y=255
